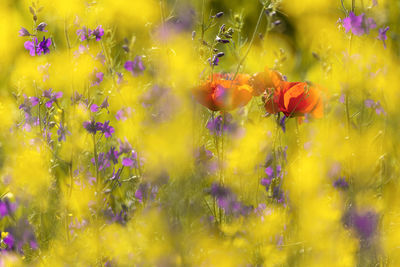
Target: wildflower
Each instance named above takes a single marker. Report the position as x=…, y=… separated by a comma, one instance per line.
x=105, y=104
x=222, y=92
x=51, y=96
x=97, y=33
x=382, y=35
x=130, y=161
x=364, y=223
x=94, y=108
x=43, y=46
x=282, y=123
x=358, y=25
x=222, y=123
x=102, y=161
x=146, y=191
x=296, y=99
x=124, y=147
x=265, y=81
x=227, y=200
x=106, y=129
x=92, y=126
x=83, y=33
x=29, y=102
x=369, y=103
x=97, y=77
x=41, y=27
x=6, y=207
x=112, y=155
x=123, y=114
x=31, y=46
x=61, y=132
x=23, y=32
x=341, y=183
x=136, y=66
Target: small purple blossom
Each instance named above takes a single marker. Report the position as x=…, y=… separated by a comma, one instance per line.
x=97, y=33
x=52, y=96
x=123, y=114
x=358, y=25
x=83, y=33
x=106, y=129
x=136, y=66
x=94, y=108
x=62, y=132
x=227, y=200
x=41, y=27
x=130, y=161
x=282, y=123
x=364, y=223
x=146, y=191
x=124, y=147
x=341, y=183
x=102, y=161
x=112, y=155
x=6, y=207
x=382, y=35
x=92, y=126
x=97, y=77
x=369, y=103
x=43, y=46
x=218, y=126
x=23, y=32
x=31, y=46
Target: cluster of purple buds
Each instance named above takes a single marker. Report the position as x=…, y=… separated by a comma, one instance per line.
x=123, y=114
x=136, y=67
x=86, y=33
x=26, y=106
x=227, y=200
x=369, y=103
x=271, y=174
x=93, y=127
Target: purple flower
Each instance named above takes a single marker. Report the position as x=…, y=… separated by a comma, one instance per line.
x=217, y=125
x=278, y=194
x=51, y=96
x=41, y=27
x=266, y=182
x=62, y=131
x=146, y=191
x=228, y=201
x=124, y=147
x=29, y=102
x=382, y=35
x=31, y=46
x=43, y=46
x=97, y=33
x=23, y=32
x=106, y=129
x=282, y=123
x=369, y=103
x=365, y=224
x=130, y=161
x=358, y=25
x=6, y=207
x=112, y=155
x=9, y=241
x=123, y=114
x=341, y=183
x=97, y=78
x=92, y=126
x=94, y=108
x=136, y=66
x=105, y=103
x=102, y=161
x=83, y=33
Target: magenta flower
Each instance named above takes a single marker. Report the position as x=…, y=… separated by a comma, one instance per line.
x=31, y=46
x=130, y=161
x=92, y=126
x=83, y=33
x=358, y=25
x=97, y=33
x=382, y=35
x=136, y=66
x=97, y=78
x=106, y=129
x=102, y=161
x=23, y=32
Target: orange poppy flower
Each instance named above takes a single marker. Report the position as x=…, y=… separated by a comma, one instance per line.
x=296, y=99
x=265, y=81
x=223, y=93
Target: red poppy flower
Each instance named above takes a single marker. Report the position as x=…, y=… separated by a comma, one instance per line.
x=295, y=99
x=223, y=93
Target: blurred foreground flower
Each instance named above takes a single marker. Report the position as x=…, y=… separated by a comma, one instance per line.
x=358, y=25
x=222, y=92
